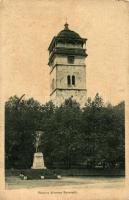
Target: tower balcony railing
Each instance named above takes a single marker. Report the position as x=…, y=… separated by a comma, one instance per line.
x=67, y=51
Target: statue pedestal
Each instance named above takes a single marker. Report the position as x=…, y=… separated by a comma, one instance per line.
x=38, y=161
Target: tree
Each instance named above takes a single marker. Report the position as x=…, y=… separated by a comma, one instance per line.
x=71, y=137
x=104, y=132
x=21, y=121
x=61, y=134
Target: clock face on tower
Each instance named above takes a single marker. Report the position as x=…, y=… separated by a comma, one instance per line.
x=67, y=67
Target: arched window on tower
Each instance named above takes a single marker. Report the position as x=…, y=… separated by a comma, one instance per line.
x=73, y=80
x=68, y=80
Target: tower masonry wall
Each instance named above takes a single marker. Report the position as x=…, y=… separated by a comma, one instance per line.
x=77, y=71
x=53, y=97
x=59, y=96
x=52, y=80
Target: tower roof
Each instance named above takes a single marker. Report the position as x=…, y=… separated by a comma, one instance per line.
x=67, y=33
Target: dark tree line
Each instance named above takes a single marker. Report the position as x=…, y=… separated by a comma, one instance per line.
x=89, y=137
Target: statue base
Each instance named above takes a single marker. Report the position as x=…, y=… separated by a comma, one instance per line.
x=38, y=161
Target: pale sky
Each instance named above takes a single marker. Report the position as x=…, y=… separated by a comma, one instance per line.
x=28, y=28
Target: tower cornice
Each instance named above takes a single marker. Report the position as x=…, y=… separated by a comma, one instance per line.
x=67, y=51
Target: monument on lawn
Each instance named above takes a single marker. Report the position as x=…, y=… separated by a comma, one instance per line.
x=38, y=160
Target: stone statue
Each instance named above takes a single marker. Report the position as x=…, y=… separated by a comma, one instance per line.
x=38, y=160
x=38, y=140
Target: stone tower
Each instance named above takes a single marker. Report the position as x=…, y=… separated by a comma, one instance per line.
x=67, y=67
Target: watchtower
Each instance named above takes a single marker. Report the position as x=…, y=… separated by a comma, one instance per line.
x=67, y=67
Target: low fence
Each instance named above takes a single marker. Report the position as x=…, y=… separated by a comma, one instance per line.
x=69, y=172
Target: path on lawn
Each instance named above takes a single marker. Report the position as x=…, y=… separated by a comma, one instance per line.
x=13, y=182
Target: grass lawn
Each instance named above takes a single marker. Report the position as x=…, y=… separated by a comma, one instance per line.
x=14, y=182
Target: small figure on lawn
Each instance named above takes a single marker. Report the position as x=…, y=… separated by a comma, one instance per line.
x=21, y=175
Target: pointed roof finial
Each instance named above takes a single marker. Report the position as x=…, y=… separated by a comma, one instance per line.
x=66, y=25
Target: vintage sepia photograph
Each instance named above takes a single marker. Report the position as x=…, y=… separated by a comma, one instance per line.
x=64, y=76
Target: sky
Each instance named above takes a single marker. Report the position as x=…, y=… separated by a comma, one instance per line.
x=27, y=28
